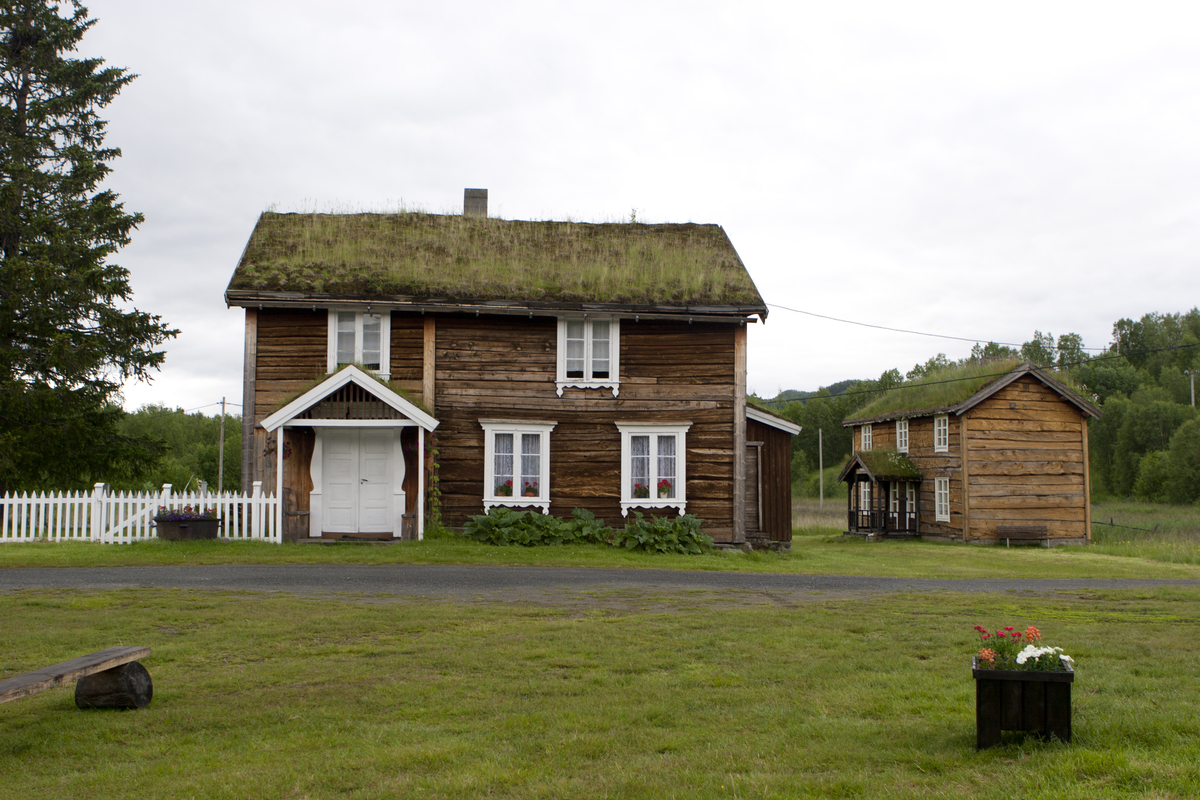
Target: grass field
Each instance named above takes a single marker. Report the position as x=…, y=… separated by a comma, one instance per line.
x=818, y=548
x=622, y=696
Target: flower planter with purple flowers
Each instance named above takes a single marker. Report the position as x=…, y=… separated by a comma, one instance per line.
x=187, y=523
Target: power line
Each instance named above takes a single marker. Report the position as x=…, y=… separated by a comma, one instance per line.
x=911, y=384
x=976, y=339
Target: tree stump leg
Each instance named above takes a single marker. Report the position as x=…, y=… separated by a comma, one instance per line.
x=126, y=686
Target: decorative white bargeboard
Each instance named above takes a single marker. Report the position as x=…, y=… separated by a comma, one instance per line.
x=124, y=517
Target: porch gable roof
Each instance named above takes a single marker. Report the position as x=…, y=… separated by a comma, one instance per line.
x=882, y=465
x=350, y=374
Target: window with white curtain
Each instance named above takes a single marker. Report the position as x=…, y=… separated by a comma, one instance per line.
x=360, y=337
x=866, y=438
x=653, y=466
x=902, y=435
x=588, y=351
x=516, y=463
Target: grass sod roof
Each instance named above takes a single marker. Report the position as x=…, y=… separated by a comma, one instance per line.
x=451, y=258
x=883, y=465
x=952, y=389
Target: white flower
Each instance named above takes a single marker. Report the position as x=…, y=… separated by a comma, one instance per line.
x=1066, y=658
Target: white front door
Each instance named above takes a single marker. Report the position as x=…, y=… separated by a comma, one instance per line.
x=357, y=475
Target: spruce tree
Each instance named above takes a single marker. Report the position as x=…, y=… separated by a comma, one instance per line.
x=67, y=339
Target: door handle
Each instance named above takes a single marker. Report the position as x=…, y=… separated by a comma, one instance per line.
x=362, y=480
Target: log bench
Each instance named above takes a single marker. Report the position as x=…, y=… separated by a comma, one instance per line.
x=111, y=678
x=1026, y=533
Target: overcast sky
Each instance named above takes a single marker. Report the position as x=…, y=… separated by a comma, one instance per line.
x=978, y=170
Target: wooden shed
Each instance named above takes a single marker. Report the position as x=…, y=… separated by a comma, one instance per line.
x=985, y=453
x=769, y=478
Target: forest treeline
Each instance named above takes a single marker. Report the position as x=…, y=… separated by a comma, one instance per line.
x=186, y=449
x=1145, y=445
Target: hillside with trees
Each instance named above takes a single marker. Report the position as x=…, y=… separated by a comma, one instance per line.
x=1146, y=445
x=187, y=448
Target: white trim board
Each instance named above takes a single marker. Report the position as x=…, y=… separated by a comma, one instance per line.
x=351, y=374
x=772, y=420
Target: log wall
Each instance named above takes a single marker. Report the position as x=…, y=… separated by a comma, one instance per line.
x=1027, y=464
x=504, y=367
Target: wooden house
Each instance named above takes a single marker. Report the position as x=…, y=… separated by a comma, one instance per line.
x=988, y=453
x=398, y=365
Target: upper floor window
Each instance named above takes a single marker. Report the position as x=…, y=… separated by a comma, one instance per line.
x=516, y=458
x=941, y=499
x=902, y=435
x=653, y=466
x=866, y=438
x=360, y=337
x=941, y=434
x=588, y=353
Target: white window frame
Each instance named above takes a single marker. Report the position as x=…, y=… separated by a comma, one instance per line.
x=910, y=498
x=385, y=340
x=865, y=438
x=941, y=434
x=941, y=499
x=491, y=427
x=613, y=381
x=864, y=495
x=902, y=435
x=654, y=430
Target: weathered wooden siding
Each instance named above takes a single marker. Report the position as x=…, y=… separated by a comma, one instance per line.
x=291, y=355
x=407, y=343
x=1026, y=463
x=775, y=479
x=504, y=368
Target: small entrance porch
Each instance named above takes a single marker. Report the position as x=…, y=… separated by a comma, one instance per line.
x=882, y=499
x=357, y=465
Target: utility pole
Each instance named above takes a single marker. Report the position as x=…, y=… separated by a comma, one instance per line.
x=221, y=453
x=821, y=467
x=1191, y=373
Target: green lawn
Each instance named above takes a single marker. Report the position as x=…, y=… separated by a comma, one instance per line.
x=629, y=696
x=817, y=548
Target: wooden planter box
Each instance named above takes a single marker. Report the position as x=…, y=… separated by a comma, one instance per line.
x=187, y=529
x=1021, y=700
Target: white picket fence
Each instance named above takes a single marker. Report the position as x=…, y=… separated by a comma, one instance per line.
x=124, y=517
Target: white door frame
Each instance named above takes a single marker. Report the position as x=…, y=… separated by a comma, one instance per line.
x=396, y=469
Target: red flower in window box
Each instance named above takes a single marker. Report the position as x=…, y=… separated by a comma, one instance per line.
x=641, y=490
x=666, y=487
x=530, y=490
x=504, y=489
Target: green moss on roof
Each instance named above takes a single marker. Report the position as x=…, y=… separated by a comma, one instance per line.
x=452, y=257
x=937, y=392
x=890, y=464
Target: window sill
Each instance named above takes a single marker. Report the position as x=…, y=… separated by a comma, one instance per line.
x=517, y=502
x=614, y=385
x=678, y=505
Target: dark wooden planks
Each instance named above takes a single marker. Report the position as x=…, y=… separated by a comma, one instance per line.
x=58, y=674
x=1028, y=464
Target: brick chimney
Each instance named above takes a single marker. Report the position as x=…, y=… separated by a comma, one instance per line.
x=474, y=202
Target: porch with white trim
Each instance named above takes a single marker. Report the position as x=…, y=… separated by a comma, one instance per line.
x=351, y=400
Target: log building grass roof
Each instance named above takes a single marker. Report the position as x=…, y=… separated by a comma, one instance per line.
x=453, y=258
x=882, y=465
x=955, y=389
